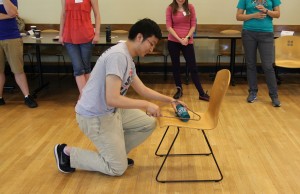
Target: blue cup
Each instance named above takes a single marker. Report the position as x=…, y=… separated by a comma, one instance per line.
x=182, y=113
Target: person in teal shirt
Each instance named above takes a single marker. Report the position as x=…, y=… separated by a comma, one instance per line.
x=258, y=34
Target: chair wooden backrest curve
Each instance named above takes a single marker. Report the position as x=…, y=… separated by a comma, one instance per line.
x=209, y=119
x=217, y=95
x=287, y=52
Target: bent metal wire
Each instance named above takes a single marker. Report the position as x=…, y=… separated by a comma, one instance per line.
x=177, y=117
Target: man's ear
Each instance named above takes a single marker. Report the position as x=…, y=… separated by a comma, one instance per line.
x=139, y=37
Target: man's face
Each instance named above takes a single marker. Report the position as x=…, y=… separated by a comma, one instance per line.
x=146, y=45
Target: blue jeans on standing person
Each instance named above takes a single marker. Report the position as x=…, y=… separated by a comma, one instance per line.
x=80, y=55
x=264, y=42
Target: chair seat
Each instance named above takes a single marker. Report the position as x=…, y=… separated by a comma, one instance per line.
x=288, y=63
x=205, y=121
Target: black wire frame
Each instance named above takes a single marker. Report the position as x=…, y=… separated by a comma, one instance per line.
x=198, y=154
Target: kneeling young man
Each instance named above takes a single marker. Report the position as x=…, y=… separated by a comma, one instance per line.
x=112, y=121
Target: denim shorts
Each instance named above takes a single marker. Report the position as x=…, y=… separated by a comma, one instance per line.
x=80, y=55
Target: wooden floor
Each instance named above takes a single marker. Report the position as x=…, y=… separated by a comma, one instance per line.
x=257, y=146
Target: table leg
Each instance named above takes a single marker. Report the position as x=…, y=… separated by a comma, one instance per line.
x=232, y=60
x=41, y=78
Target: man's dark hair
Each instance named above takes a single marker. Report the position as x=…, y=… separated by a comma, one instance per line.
x=146, y=27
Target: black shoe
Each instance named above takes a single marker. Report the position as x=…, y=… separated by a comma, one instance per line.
x=252, y=96
x=130, y=162
x=2, y=102
x=178, y=93
x=276, y=102
x=62, y=159
x=30, y=102
x=204, y=97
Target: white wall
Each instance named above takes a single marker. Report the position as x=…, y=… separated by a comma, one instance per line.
x=129, y=11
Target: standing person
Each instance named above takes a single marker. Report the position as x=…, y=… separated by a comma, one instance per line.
x=78, y=35
x=11, y=49
x=112, y=121
x=258, y=34
x=181, y=24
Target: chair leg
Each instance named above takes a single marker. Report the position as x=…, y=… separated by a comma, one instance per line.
x=58, y=65
x=165, y=67
x=277, y=75
x=199, y=154
x=218, y=63
x=217, y=67
x=65, y=66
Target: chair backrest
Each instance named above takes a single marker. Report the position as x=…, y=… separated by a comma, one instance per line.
x=217, y=94
x=225, y=45
x=287, y=51
x=160, y=48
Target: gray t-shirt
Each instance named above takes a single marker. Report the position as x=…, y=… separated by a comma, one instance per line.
x=114, y=61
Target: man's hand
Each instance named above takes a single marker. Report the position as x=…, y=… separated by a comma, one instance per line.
x=153, y=110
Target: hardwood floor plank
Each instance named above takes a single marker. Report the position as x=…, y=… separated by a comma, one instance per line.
x=256, y=145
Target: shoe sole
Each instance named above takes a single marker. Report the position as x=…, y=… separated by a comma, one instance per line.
x=252, y=100
x=178, y=97
x=275, y=105
x=57, y=159
x=204, y=99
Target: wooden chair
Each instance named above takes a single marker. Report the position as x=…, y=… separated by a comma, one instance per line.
x=208, y=121
x=224, y=49
x=287, y=53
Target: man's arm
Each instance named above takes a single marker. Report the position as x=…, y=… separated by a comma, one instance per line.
x=115, y=99
x=148, y=93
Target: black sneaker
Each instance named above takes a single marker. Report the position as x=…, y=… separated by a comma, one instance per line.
x=2, y=102
x=252, y=96
x=30, y=102
x=62, y=159
x=130, y=162
x=178, y=93
x=276, y=102
x=204, y=97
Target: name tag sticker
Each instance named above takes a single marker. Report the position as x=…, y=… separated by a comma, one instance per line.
x=184, y=13
x=78, y=1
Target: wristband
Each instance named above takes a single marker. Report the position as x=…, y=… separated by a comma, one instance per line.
x=266, y=11
x=188, y=37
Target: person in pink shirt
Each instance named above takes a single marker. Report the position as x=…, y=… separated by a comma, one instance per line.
x=78, y=35
x=181, y=24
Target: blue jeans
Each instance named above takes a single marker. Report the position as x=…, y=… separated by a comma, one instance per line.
x=80, y=55
x=264, y=43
